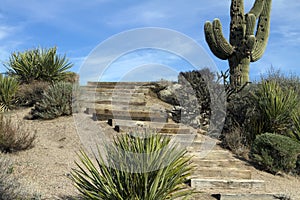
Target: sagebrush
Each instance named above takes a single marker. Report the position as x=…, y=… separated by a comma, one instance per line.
x=14, y=136
x=29, y=94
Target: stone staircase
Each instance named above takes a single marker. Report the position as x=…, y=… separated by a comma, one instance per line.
x=126, y=106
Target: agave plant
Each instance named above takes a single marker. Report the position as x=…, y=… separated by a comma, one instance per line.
x=8, y=89
x=38, y=64
x=137, y=168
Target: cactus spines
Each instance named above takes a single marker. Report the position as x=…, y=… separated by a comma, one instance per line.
x=244, y=44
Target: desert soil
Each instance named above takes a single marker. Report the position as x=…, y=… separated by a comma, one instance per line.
x=45, y=168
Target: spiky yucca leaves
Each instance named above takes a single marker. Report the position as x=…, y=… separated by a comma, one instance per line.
x=55, y=102
x=274, y=107
x=296, y=122
x=136, y=169
x=38, y=64
x=8, y=90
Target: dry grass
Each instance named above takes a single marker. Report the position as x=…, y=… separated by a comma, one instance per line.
x=13, y=136
x=236, y=142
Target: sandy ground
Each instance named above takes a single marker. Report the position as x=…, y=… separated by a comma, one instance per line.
x=45, y=168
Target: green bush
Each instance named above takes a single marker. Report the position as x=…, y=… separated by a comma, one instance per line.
x=152, y=171
x=55, y=102
x=275, y=152
x=13, y=137
x=8, y=90
x=38, y=64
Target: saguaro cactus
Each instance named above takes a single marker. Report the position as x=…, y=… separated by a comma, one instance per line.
x=243, y=46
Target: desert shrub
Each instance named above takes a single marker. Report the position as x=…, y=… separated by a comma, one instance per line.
x=237, y=134
x=240, y=112
x=8, y=89
x=55, y=102
x=38, y=64
x=286, y=82
x=154, y=169
x=297, y=169
x=236, y=141
x=274, y=107
x=199, y=81
x=13, y=137
x=29, y=94
x=71, y=77
x=275, y=152
x=194, y=98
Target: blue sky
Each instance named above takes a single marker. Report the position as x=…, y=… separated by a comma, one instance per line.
x=77, y=27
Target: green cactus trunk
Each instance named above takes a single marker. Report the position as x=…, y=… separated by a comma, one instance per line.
x=239, y=70
x=244, y=45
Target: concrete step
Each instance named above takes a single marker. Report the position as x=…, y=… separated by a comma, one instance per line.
x=158, y=130
x=120, y=102
x=210, y=154
x=227, y=184
x=226, y=163
x=105, y=114
x=253, y=196
x=111, y=92
x=113, y=99
x=118, y=84
x=220, y=172
x=110, y=107
x=116, y=107
x=99, y=96
x=134, y=123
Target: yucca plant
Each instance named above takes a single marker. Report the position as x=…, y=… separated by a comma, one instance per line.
x=274, y=107
x=8, y=90
x=296, y=122
x=56, y=101
x=135, y=168
x=38, y=64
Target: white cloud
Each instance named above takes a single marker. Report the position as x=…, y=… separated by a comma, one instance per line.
x=6, y=31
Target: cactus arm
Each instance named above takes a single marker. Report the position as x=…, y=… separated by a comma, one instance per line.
x=220, y=39
x=212, y=43
x=262, y=32
x=257, y=8
x=251, y=22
